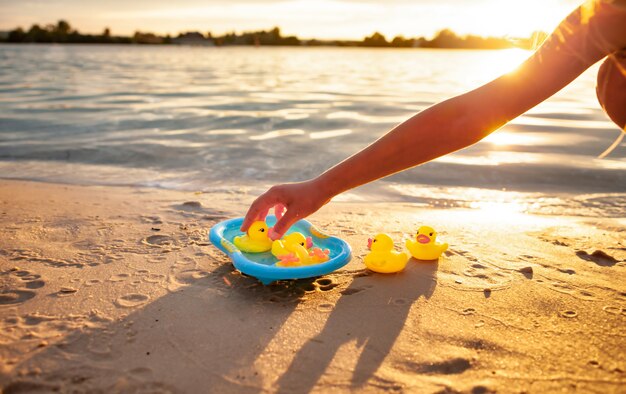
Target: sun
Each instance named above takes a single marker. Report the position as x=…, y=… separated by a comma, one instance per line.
x=513, y=18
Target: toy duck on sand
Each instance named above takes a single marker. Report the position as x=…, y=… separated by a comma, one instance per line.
x=425, y=246
x=296, y=250
x=256, y=239
x=383, y=258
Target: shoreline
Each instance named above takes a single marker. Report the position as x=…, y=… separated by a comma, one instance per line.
x=117, y=288
x=608, y=204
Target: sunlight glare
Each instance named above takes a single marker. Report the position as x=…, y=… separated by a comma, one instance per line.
x=497, y=63
x=503, y=138
x=500, y=209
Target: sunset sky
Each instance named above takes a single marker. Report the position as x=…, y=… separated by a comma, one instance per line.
x=342, y=19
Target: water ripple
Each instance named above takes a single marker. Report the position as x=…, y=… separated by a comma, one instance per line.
x=163, y=115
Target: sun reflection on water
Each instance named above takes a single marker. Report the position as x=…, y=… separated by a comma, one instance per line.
x=503, y=138
x=229, y=106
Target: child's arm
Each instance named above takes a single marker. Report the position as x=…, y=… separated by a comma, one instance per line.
x=588, y=34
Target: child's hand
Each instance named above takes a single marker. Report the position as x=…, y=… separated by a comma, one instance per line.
x=301, y=199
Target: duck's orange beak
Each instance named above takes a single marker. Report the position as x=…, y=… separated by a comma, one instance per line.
x=423, y=239
x=369, y=243
x=309, y=242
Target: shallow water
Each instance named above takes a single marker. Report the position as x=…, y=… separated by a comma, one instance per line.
x=201, y=118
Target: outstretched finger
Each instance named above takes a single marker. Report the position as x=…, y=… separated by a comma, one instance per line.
x=279, y=229
x=257, y=211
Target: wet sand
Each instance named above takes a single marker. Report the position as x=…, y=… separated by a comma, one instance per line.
x=107, y=289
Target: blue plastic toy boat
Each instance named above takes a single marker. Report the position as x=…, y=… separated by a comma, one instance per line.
x=262, y=265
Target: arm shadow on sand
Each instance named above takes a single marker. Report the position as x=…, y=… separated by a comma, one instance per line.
x=204, y=336
x=372, y=311
x=212, y=329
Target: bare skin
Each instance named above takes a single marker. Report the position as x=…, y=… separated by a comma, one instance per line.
x=593, y=31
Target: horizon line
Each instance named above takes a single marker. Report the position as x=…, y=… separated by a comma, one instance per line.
x=234, y=31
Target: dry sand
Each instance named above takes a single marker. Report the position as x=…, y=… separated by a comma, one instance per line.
x=106, y=289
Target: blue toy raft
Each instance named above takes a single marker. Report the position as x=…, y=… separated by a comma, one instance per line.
x=262, y=265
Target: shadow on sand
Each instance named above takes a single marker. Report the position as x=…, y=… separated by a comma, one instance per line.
x=209, y=332
x=373, y=311
x=204, y=336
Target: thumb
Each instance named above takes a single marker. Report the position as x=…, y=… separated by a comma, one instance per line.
x=254, y=213
x=289, y=218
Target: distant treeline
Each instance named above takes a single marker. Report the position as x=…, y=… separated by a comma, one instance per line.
x=63, y=33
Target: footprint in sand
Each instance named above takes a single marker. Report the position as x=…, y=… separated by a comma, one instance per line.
x=154, y=278
x=131, y=300
x=447, y=367
x=568, y=314
x=118, y=277
x=302, y=287
x=614, y=310
x=186, y=261
x=11, y=297
x=35, y=284
x=325, y=284
x=599, y=257
x=16, y=286
x=190, y=276
x=159, y=241
x=309, y=287
x=586, y=295
x=66, y=292
x=112, y=257
x=325, y=307
x=157, y=259
x=468, y=311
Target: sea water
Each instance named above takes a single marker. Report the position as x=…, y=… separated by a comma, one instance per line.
x=200, y=118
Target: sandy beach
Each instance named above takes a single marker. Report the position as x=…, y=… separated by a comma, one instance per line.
x=116, y=161
x=116, y=289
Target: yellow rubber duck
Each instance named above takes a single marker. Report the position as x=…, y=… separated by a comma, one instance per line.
x=292, y=243
x=425, y=246
x=293, y=251
x=383, y=258
x=256, y=239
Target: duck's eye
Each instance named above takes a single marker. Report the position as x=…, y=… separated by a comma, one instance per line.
x=374, y=241
x=262, y=230
x=302, y=243
x=431, y=234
